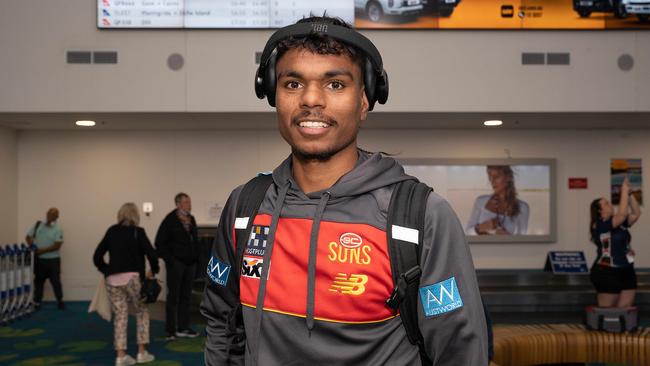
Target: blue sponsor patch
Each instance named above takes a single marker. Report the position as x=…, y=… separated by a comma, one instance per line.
x=218, y=271
x=440, y=298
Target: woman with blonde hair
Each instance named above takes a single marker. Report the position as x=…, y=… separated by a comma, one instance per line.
x=127, y=245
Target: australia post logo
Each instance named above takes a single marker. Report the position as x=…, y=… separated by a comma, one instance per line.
x=349, y=249
x=440, y=298
x=218, y=271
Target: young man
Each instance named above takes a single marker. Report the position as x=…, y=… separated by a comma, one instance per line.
x=177, y=244
x=315, y=274
x=48, y=238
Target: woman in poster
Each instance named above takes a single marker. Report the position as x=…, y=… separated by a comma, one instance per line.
x=499, y=213
x=613, y=270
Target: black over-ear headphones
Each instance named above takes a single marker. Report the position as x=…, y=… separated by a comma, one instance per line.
x=375, y=78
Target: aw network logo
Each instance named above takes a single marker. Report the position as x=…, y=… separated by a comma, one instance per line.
x=440, y=298
x=218, y=272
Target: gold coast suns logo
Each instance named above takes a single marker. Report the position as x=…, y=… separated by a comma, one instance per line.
x=349, y=249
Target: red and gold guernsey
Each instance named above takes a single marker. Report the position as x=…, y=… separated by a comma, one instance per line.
x=353, y=274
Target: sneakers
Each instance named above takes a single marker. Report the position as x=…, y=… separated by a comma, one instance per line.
x=187, y=333
x=170, y=336
x=145, y=357
x=125, y=360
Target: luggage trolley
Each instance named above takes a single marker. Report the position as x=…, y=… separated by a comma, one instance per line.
x=4, y=287
x=26, y=302
x=10, y=266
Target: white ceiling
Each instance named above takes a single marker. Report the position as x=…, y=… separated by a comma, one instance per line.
x=376, y=120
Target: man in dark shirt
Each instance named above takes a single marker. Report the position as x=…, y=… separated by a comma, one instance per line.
x=177, y=245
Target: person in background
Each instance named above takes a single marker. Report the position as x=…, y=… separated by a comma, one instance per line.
x=48, y=238
x=177, y=244
x=613, y=273
x=499, y=213
x=127, y=245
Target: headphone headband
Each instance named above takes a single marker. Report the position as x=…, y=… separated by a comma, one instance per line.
x=337, y=32
x=374, y=76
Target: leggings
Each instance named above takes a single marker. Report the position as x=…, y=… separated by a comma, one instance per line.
x=120, y=296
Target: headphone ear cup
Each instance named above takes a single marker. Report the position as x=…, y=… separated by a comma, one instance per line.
x=259, y=82
x=382, y=88
x=369, y=82
x=270, y=82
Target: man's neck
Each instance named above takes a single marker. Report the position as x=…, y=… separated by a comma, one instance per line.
x=315, y=175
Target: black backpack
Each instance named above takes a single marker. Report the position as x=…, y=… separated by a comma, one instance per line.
x=405, y=215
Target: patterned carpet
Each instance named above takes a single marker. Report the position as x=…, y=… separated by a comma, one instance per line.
x=72, y=337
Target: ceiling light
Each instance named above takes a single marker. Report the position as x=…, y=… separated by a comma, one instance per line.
x=493, y=122
x=85, y=123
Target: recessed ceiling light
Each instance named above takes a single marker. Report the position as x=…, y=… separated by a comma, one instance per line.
x=493, y=122
x=85, y=123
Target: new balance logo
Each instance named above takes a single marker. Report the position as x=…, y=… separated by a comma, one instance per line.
x=218, y=272
x=355, y=284
x=440, y=298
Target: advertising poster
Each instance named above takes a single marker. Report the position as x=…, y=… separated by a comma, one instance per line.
x=630, y=168
x=492, y=200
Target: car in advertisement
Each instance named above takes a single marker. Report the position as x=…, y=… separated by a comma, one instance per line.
x=641, y=8
x=584, y=8
x=376, y=10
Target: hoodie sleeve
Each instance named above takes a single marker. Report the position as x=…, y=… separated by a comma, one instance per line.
x=450, y=310
x=98, y=256
x=162, y=240
x=225, y=339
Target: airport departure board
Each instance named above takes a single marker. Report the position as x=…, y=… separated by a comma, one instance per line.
x=215, y=13
x=377, y=14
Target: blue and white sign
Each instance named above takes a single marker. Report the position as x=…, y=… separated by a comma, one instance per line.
x=440, y=298
x=565, y=262
x=218, y=272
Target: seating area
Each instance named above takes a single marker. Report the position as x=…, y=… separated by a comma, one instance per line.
x=520, y=345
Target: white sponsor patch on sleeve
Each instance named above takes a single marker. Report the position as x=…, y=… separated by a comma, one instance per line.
x=241, y=222
x=405, y=234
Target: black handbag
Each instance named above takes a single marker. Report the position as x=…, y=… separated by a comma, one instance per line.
x=150, y=290
x=150, y=286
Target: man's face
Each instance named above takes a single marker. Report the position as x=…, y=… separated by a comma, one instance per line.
x=185, y=204
x=320, y=103
x=52, y=215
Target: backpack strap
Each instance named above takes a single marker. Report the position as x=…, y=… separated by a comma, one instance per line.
x=38, y=223
x=248, y=204
x=405, y=229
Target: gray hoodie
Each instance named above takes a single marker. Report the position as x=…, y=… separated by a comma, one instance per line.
x=316, y=274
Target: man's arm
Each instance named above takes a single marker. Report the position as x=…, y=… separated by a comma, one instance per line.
x=450, y=310
x=55, y=246
x=225, y=339
x=52, y=248
x=162, y=239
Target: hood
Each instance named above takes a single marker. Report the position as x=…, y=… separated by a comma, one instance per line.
x=372, y=171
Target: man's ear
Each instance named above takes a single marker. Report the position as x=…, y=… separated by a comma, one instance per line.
x=364, y=104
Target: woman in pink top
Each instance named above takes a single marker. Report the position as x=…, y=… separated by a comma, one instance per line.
x=127, y=245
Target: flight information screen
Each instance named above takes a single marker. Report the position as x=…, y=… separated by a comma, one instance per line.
x=215, y=13
x=375, y=14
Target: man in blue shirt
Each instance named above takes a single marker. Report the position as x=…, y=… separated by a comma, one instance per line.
x=48, y=238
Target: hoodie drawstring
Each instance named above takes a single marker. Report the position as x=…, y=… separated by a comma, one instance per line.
x=311, y=267
x=261, y=292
